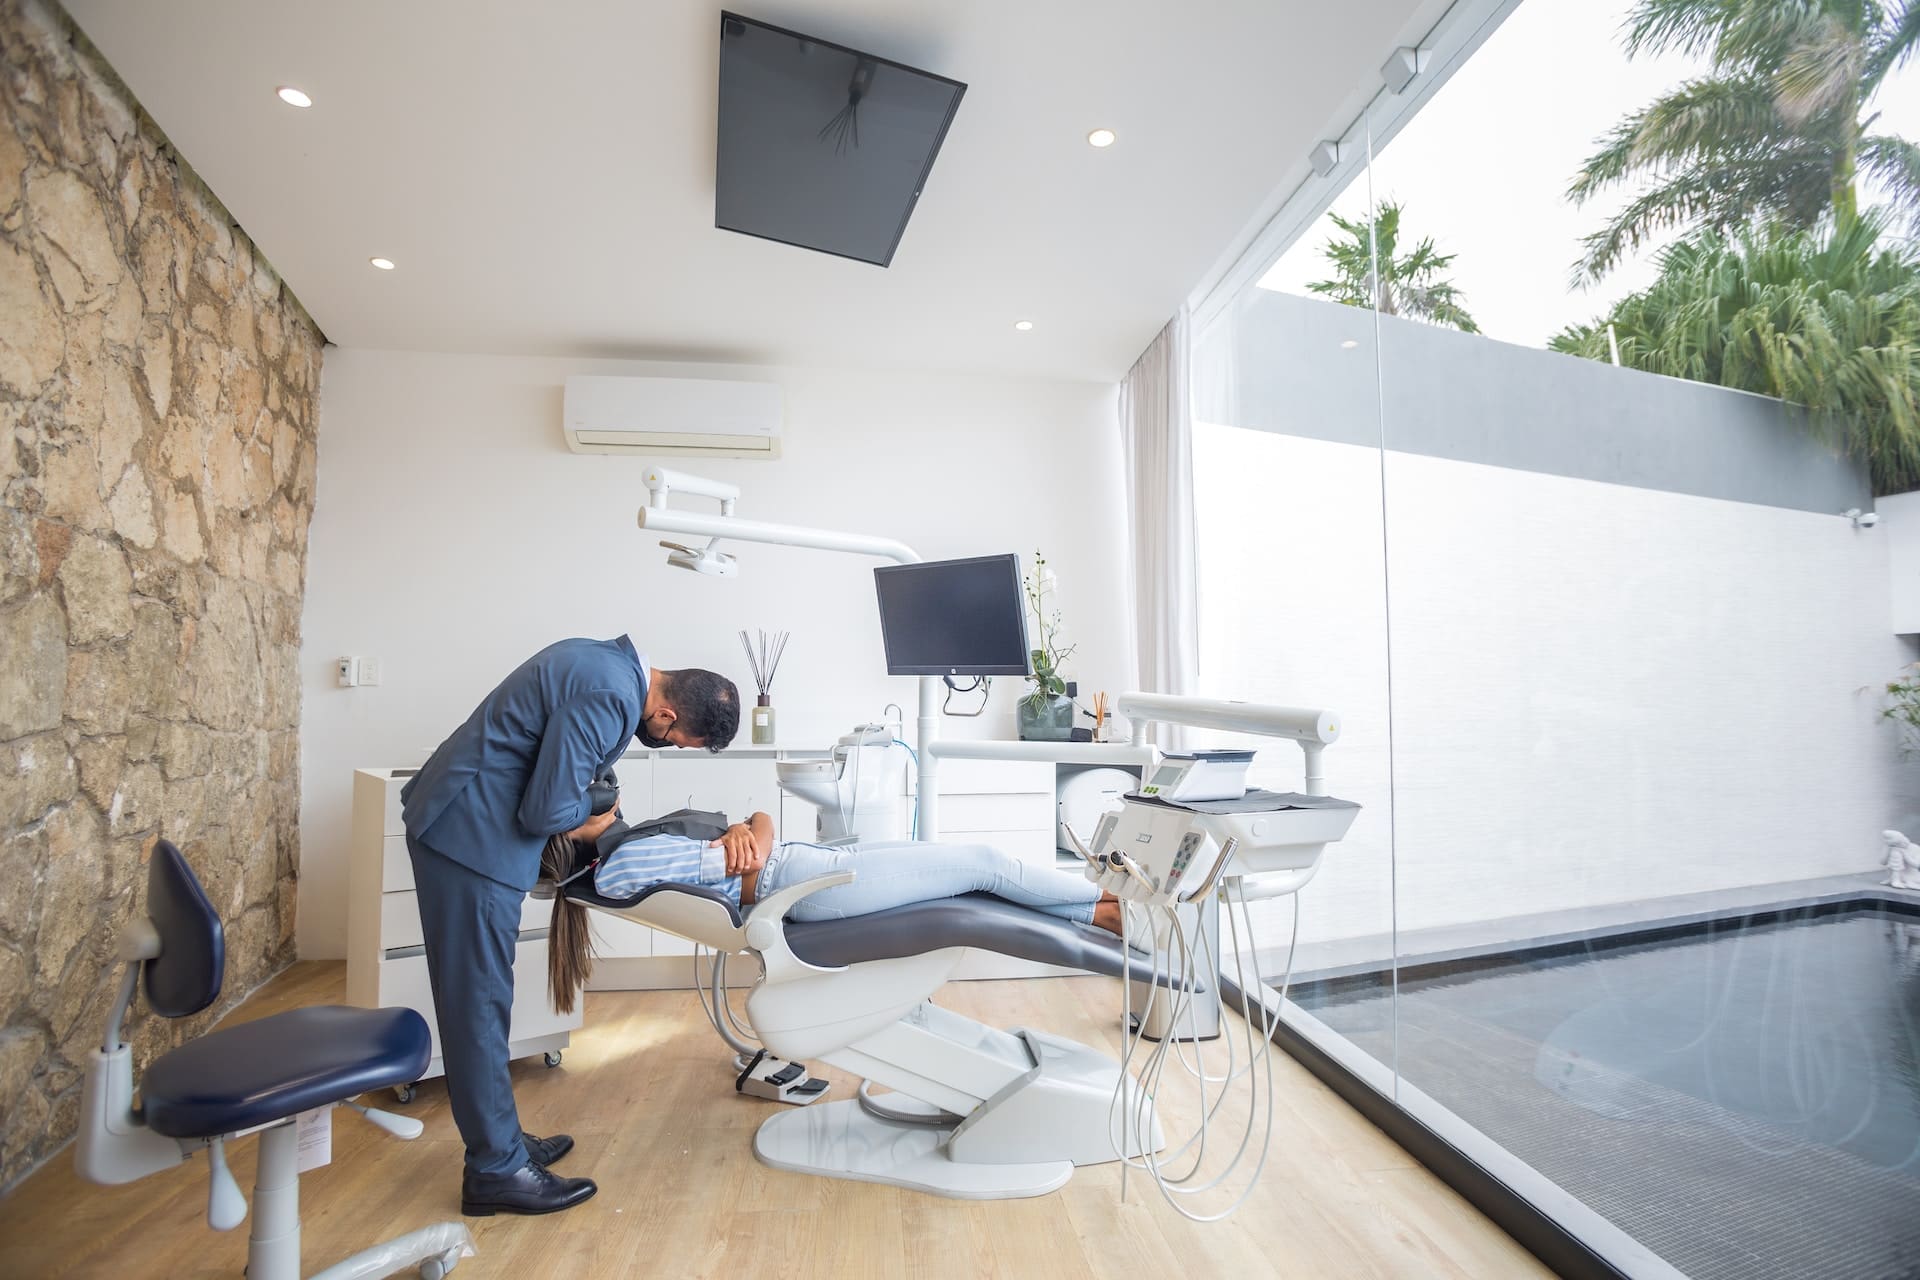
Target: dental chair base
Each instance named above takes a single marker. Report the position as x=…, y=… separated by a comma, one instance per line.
x=1024, y=1141
x=974, y=1111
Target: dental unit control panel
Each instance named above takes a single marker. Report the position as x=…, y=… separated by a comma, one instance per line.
x=1152, y=855
x=1200, y=775
x=1164, y=852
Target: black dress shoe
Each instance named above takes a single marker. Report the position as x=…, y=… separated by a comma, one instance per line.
x=528, y=1189
x=547, y=1151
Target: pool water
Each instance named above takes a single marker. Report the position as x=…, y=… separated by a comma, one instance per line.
x=1743, y=1097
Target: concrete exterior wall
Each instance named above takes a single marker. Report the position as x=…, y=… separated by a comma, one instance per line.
x=1282, y=364
x=1556, y=690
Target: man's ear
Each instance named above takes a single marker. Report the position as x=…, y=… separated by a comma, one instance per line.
x=669, y=715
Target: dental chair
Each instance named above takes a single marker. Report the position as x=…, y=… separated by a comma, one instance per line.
x=258, y=1077
x=975, y=1112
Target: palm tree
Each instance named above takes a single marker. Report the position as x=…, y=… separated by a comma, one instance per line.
x=1403, y=286
x=1828, y=319
x=1775, y=133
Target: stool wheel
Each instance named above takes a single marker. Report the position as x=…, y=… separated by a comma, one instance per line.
x=437, y=1268
x=552, y=1057
x=403, y=1093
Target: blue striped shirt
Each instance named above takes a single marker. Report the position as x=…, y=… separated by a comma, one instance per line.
x=664, y=859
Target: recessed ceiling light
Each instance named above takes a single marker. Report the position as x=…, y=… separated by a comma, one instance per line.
x=1101, y=138
x=1348, y=345
x=385, y=264
x=293, y=97
x=1023, y=325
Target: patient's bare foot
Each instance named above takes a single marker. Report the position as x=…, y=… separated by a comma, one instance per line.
x=1106, y=914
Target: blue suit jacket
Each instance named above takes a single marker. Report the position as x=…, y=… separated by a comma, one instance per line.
x=517, y=771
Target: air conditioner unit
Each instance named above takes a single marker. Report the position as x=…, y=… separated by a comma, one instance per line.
x=685, y=417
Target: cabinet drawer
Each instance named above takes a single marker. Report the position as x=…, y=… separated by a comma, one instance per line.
x=616, y=939
x=997, y=812
x=400, y=919
x=737, y=788
x=394, y=825
x=797, y=818
x=396, y=865
x=964, y=777
x=404, y=983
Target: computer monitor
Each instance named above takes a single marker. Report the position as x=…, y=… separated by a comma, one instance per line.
x=953, y=617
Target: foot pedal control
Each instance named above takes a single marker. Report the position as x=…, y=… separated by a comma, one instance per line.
x=778, y=1080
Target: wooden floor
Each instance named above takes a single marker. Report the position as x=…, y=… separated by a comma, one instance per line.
x=647, y=1093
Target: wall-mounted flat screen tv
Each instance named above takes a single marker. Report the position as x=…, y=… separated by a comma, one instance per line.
x=823, y=146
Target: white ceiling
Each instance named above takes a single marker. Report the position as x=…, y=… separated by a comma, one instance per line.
x=543, y=173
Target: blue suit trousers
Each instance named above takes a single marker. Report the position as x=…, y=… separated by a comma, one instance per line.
x=470, y=924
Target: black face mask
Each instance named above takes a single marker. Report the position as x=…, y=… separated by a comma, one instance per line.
x=649, y=739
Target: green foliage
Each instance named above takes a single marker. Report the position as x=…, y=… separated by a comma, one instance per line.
x=1828, y=319
x=1903, y=708
x=1776, y=133
x=1048, y=659
x=1407, y=285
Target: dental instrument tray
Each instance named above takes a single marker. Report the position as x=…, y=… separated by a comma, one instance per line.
x=1257, y=800
x=1275, y=829
x=1169, y=850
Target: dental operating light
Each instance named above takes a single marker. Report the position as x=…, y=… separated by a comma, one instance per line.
x=658, y=517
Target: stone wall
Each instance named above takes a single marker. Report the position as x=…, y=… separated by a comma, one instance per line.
x=158, y=402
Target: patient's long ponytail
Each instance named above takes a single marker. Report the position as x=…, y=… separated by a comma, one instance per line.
x=569, y=940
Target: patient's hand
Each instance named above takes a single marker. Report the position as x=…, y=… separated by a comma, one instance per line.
x=744, y=852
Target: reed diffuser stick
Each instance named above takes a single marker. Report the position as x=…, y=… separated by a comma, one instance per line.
x=764, y=658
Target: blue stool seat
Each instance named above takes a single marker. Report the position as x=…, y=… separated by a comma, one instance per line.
x=276, y=1067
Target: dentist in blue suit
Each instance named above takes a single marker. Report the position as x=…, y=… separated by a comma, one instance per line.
x=477, y=815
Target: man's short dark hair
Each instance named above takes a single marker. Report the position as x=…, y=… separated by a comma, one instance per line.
x=706, y=704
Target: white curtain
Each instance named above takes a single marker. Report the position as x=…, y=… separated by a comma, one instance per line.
x=1156, y=433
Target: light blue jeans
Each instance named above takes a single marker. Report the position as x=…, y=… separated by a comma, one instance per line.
x=894, y=873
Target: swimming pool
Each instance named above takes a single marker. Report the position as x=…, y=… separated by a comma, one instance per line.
x=1740, y=1095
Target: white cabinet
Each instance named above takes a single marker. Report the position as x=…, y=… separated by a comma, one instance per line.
x=386, y=965
x=1010, y=804
x=629, y=956
x=737, y=786
x=1005, y=803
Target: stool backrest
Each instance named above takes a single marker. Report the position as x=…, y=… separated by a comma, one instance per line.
x=185, y=977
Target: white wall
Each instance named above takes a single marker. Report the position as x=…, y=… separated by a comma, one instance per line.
x=1600, y=693
x=1900, y=522
x=455, y=534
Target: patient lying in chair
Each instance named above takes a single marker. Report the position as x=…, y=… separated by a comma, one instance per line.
x=748, y=864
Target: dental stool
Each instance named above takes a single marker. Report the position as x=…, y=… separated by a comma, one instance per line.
x=257, y=1077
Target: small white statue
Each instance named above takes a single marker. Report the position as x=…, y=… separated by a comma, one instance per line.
x=1903, y=861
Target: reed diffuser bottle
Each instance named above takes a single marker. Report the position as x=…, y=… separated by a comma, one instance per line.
x=765, y=660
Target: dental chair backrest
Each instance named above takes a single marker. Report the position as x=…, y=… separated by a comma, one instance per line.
x=186, y=976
